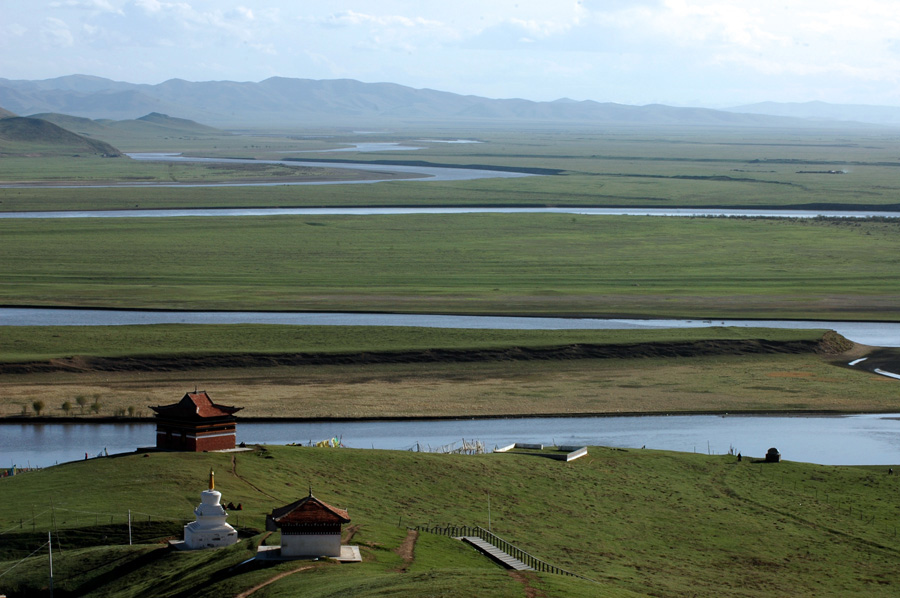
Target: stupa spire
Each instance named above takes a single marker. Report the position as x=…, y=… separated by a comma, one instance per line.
x=212, y=480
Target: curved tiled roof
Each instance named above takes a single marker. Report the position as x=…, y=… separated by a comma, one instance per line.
x=195, y=404
x=306, y=511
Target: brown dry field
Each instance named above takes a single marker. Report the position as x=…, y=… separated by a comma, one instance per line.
x=805, y=382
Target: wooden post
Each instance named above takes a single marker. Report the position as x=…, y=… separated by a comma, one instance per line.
x=50, y=550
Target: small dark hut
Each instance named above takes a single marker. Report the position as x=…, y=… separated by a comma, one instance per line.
x=773, y=456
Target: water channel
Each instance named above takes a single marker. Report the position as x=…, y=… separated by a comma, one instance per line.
x=879, y=334
x=383, y=211
x=829, y=440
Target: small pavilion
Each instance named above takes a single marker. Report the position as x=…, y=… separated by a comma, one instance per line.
x=309, y=528
x=195, y=423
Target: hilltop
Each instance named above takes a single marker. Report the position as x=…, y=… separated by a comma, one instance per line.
x=153, y=128
x=637, y=522
x=37, y=137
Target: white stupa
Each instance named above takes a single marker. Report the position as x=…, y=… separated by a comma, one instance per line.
x=210, y=529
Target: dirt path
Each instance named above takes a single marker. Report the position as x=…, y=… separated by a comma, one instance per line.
x=257, y=587
x=349, y=532
x=407, y=550
x=525, y=579
x=238, y=476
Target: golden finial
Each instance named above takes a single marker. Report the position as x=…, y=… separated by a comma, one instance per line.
x=212, y=480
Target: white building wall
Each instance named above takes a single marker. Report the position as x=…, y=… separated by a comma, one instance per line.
x=311, y=545
x=196, y=539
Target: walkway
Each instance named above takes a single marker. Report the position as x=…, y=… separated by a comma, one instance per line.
x=496, y=554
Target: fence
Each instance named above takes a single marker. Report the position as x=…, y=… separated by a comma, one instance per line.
x=458, y=531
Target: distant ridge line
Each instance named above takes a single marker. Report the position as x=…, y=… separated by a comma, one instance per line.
x=286, y=102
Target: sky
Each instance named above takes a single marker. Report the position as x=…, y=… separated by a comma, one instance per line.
x=710, y=53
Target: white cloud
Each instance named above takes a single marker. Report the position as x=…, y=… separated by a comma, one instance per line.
x=349, y=18
x=620, y=50
x=96, y=5
x=15, y=30
x=56, y=32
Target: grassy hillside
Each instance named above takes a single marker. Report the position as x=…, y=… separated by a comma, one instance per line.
x=36, y=137
x=152, y=131
x=640, y=523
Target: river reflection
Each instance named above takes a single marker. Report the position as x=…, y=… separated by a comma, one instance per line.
x=836, y=440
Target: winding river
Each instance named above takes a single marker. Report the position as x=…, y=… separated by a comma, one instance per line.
x=420, y=173
x=845, y=440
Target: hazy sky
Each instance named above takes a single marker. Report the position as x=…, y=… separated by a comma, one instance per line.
x=682, y=52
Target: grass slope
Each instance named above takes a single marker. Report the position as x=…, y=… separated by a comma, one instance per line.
x=150, y=131
x=36, y=137
x=641, y=523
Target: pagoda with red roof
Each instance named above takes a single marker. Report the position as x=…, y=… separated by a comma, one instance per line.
x=195, y=423
x=309, y=527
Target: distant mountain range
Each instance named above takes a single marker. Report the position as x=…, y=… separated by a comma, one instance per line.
x=286, y=102
x=825, y=112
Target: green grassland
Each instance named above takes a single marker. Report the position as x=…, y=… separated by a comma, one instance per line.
x=639, y=523
x=491, y=263
x=87, y=170
x=665, y=167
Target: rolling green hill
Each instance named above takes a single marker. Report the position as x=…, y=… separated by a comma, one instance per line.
x=23, y=136
x=148, y=131
x=637, y=522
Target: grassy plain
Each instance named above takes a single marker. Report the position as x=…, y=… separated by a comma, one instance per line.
x=527, y=264
x=88, y=171
x=640, y=523
x=340, y=378
x=665, y=167
x=521, y=264
x=727, y=383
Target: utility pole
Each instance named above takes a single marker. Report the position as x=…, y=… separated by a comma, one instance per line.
x=129, y=527
x=50, y=549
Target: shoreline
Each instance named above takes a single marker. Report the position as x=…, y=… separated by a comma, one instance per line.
x=45, y=420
